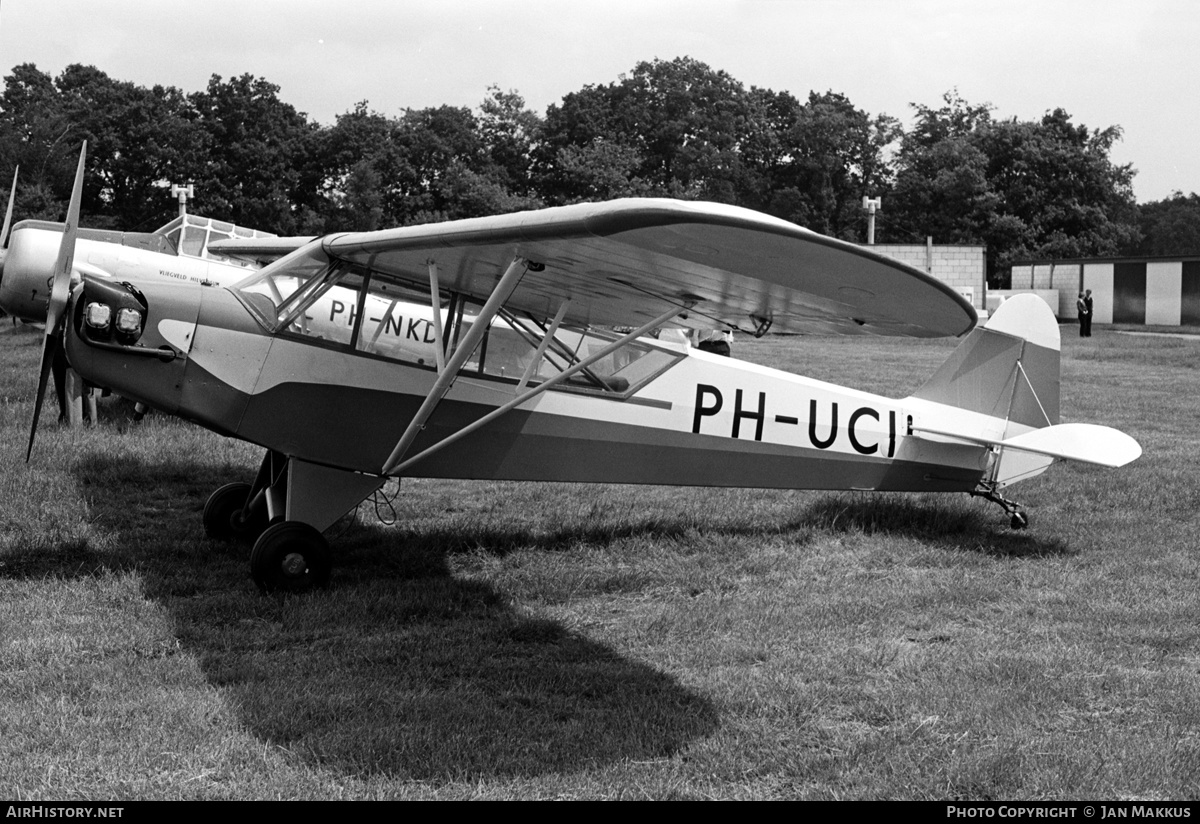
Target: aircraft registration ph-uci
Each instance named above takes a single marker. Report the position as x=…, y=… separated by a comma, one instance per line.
x=488, y=349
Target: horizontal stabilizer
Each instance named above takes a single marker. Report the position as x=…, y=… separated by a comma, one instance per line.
x=1084, y=442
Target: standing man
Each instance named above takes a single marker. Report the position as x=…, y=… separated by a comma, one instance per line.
x=1087, y=300
x=1081, y=309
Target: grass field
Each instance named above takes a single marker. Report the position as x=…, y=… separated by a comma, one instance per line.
x=537, y=641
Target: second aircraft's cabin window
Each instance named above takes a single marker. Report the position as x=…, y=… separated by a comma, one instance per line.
x=333, y=303
x=198, y=232
x=194, y=240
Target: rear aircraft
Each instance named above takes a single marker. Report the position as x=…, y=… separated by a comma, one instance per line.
x=538, y=346
x=183, y=250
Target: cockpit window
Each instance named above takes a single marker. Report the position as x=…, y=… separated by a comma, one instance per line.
x=513, y=350
x=308, y=295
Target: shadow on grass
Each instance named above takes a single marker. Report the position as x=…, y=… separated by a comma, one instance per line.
x=401, y=669
x=946, y=523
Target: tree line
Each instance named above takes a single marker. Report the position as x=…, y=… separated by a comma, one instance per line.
x=669, y=128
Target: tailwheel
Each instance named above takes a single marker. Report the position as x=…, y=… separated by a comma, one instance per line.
x=226, y=517
x=290, y=556
x=989, y=490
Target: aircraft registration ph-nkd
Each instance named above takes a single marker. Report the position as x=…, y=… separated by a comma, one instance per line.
x=485, y=349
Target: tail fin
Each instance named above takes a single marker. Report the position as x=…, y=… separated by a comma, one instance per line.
x=1008, y=368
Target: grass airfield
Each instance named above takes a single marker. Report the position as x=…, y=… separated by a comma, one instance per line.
x=492, y=640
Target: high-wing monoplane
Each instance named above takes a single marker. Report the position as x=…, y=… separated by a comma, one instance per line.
x=522, y=347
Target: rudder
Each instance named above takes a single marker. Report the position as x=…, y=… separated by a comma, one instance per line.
x=1008, y=368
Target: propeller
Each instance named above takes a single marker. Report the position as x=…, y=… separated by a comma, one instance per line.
x=12, y=196
x=59, y=294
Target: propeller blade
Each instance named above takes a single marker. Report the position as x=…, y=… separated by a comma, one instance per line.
x=59, y=293
x=49, y=352
x=61, y=289
x=12, y=195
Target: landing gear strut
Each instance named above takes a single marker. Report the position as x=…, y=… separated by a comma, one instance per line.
x=283, y=514
x=989, y=491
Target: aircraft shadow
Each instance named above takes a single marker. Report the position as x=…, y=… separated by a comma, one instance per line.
x=950, y=522
x=401, y=669
x=943, y=523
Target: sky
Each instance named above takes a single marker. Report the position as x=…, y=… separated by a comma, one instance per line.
x=1128, y=63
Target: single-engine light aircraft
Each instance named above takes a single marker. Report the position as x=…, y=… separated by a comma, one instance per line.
x=522, y=347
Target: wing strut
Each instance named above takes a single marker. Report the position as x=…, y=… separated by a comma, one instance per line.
x=543, y=345
x=437, y=317
x=394, y=466
x=446, y=377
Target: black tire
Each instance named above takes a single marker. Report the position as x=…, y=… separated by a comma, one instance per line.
x=223, y=519
x=1019, y=520
x=290, y=556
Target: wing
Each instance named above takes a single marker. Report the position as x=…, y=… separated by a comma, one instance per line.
x=258, y=248
x=627, y=260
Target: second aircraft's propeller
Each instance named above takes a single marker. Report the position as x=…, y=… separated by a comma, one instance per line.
x=12, y=196
x=12, y=193
x=59, y=294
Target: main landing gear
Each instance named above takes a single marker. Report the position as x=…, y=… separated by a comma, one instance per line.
x=287, y=556
x=231, y=514
x=989, y=491
x=282, y=515
x=291, y=556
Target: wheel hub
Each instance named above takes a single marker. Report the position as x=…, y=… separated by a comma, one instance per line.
x=294, y=564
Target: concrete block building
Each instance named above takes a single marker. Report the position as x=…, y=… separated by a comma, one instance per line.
x=963, y=268
x=1152, y=291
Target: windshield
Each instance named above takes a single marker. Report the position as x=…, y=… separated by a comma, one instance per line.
x=267, y=291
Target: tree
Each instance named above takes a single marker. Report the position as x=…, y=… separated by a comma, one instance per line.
x=1042, y=188
x=682, y=129
x=361, y=161
x=1169, y=227
x=835, y=157
x=36, y=135
x=258, y=165
x=137, y=138
x=509, y=133
x=680, y=120
x=602, y=170
x=449, y=170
